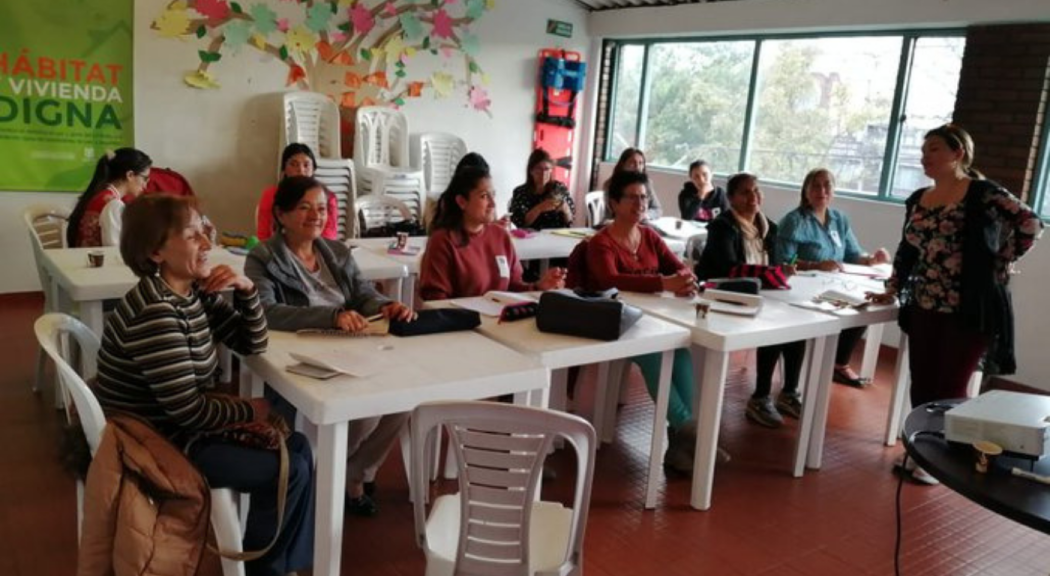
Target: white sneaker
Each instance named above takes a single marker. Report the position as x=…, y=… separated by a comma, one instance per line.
x=923, y=477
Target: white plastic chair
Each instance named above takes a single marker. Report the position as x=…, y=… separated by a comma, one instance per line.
x=382, y=160
x=495, y=525
x=339, y=178
x=374, y=211
x=595, y=201
x=312, y=119
x=437, y=153
x=53, y=332
x=47, y=230
x=694, y=247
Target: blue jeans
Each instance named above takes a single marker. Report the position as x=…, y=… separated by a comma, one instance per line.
x=255, y=471
x=680, y=406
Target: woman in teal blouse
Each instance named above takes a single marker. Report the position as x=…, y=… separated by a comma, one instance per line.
x=815, y=236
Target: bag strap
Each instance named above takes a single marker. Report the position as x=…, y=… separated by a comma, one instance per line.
x=282, y=496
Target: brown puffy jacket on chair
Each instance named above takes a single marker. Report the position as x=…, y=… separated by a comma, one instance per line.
x=146, y=508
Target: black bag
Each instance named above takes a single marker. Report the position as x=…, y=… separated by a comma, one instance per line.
x=437, y=321
x=589, y=315
x=742, y=285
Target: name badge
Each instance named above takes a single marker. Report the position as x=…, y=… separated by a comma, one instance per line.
x=715, y=212
x=835, y=238
x=503, y=265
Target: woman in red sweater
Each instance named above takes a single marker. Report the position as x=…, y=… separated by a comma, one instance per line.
x=632, y=257
x=468, y=254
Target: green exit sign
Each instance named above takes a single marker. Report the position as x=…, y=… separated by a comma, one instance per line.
x=559, y=28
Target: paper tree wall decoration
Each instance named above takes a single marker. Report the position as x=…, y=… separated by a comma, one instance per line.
x=357, y=52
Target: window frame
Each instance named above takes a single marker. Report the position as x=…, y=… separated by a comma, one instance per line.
x=1041, y=178
x=909, y=37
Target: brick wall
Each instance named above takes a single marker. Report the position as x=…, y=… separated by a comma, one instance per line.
x=1002, y=99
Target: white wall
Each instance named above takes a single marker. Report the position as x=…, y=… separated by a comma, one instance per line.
x=225, y=141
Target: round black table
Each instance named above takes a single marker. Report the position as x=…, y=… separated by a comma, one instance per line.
x=1019, y=499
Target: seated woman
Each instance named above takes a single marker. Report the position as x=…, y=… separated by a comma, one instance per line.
x=633, y=160
x=816, y=236
x=96, y=218
x=699, y=199
x=158, y=361
x=629, y=256
x=541, y=202
x=469, y=254
x=306, y=281
x=742, y=242
x=296, y=160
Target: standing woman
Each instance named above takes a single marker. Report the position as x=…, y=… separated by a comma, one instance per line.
x=629, y=256
x=952, y=270
x=633, y=160
x=96, y=219
x=306, y=281
x=816, y=236
x=158, y=361
x=296, y=160
x=468, y=253
x=742, y=242
x=699, y=198
x=541, y=202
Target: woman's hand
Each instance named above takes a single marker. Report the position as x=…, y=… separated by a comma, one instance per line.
x=881, y=256
x=397, y=311
x=554, y=279
x=223, y=277
x=682, y=283
x=789, y=269
x=350, y=321
x=887, y=297
x=261, y=408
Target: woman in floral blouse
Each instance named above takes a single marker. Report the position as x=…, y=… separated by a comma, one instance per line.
x=541, y=202
x=952, y=268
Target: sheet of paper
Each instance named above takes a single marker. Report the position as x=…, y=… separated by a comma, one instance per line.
x=877, y=271
x=342, y=360
x=492, y=303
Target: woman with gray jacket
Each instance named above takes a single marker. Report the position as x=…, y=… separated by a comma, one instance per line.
x=306, y=281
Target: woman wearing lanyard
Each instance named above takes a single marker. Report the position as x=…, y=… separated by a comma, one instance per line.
x=816, y=236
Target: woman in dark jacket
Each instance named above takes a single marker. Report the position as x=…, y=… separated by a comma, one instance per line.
x=307, y=281
x=952, y=270
x=742, y=242
x=700, y=199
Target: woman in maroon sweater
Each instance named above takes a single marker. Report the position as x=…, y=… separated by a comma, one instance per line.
x=468, y=254
x=632, y=257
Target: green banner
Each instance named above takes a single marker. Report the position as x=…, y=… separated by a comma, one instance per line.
x=65, y=90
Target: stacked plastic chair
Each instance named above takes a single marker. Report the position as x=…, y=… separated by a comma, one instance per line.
x=338, y=176
x=437, y=153
x=381, y=157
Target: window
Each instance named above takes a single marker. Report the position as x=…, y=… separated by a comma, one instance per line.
x=780, y=106
x=697, y=103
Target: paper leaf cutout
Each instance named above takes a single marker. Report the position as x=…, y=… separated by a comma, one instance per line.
x=317, y=16
x=212, y=9
x=174, y=22
x=201, y=80
x=237, y=33
x=209, y=57
x=415, y=89
x=347, y=100
x=442, y=82
x=265, y=19
x=394, y=49
x=258, y=40
x=377, y=79
x=295, y=74
x=479, y=98
x=411, y=26
x=390, y=9
x=362, y=19
x=470, y=45
x=475, y=8
x=442, y=24
x=352, y=80
x=283, y=25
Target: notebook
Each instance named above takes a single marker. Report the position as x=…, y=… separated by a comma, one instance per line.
x=492, y=302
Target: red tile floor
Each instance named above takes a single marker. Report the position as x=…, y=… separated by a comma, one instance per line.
x=837, y=521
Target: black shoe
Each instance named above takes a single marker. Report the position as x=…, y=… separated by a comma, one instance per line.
x=842, y=378
x=363, y=505
x=370, y=489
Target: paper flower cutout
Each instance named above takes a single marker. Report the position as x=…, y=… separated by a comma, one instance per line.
x=317, y=16
x=265, y=19
x=362, y=19
x=479, y=98
x=300, y=40
x=411, y=25
x=442, y=24
x=237, y=33
x=212, y=9
x=442, y=82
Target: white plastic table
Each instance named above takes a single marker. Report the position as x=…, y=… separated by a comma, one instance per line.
x=807, y=285
x=558, y=352
x=451, y=366
x=713, y=338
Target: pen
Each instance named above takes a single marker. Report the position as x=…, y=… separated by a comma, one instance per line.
x=374, y=318
x=1030, y=475
x=794, y=259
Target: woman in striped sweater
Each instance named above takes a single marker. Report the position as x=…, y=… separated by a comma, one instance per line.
x=158, y=361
